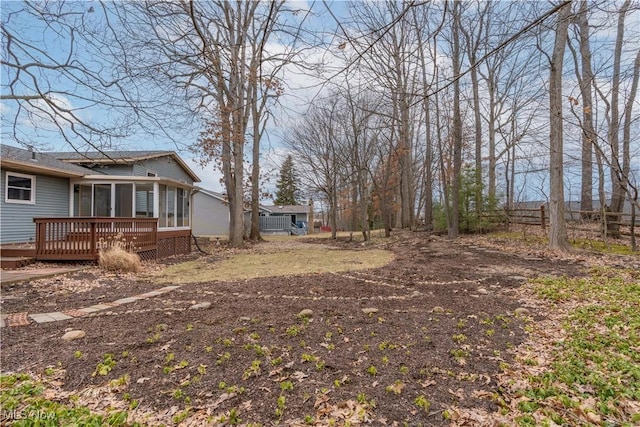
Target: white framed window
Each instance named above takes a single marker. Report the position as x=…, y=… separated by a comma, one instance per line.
x=20, y=188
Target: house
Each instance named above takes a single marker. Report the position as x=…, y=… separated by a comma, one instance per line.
x=284, y=219
x=211, y=214
x=76, y=199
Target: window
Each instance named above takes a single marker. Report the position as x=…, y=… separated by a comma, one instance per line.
x=174, y=206
x=82, y=199
x=183, y=207
x=20, y=188
x=171, y=206
x=102, y=199
x=124, y=200
x=144, y=200
x=163, y=206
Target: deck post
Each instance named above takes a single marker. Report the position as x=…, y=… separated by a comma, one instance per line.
x=92, y=240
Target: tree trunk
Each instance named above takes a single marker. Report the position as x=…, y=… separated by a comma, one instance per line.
x=457, y=128
x=588, y=133
x=618, y=183
x=557, y=230
x=254, y=234
x=626, y=148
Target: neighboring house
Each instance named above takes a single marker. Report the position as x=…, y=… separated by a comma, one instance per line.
x=210, y=213
x=154, y=188
x=284, y=219
x=296, y=212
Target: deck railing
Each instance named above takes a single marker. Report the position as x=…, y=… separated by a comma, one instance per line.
x=275, y=223
x=81, y=238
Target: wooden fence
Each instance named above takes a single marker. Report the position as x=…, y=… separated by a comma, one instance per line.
x=540, y=217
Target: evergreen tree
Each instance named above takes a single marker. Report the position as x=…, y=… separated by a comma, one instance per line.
x=288, y=192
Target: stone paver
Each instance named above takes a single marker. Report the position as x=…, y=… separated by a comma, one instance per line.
x=56, y=315
x=41, y=318
x=98, y=307
x=126, y=300
x=75, y=313
x=88, y=310
x=16, y=319
x=22, y=319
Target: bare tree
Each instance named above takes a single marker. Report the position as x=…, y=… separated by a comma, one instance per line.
x=620, y=162
x=388, y=59
x=215, y=55
x=61, y=78
x=557, y=232
x=473, y=31
x=314, y=141
x=456, y=55
x=585, y=80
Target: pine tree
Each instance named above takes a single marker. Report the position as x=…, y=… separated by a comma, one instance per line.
x=287, y=192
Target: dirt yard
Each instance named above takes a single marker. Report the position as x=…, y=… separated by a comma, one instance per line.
x=413, y=341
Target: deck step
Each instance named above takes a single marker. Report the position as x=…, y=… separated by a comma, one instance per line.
x=16, y=262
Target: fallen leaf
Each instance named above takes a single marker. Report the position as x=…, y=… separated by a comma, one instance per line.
x=299, y=375
x=459, y=393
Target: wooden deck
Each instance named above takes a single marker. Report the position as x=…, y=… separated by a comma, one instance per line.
x=81, y=238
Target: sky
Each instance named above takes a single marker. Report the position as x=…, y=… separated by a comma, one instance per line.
x=301, y=91
x=35, y=128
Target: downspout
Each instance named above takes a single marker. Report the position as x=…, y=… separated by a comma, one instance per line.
x=191, y=193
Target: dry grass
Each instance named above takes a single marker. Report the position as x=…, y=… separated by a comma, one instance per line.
x=116, y=258
x=276, y=260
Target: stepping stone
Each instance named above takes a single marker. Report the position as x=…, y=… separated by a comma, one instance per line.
x=483, y=291
x=126, y=300
x=370, y=310
x=49, y=317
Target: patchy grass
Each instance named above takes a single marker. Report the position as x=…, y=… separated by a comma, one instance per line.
x=594, y=374
x=536, y=236
x=303, y=260
x=24, y=403
x=605, y=247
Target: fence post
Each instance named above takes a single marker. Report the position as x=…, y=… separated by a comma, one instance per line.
x=543, y=220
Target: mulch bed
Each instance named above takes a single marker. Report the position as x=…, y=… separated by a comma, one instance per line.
x=442, y=329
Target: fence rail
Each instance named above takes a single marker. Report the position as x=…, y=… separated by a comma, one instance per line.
x=540, y=217
x=81, y=238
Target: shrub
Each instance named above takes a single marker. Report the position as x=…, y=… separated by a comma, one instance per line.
x=117, y=254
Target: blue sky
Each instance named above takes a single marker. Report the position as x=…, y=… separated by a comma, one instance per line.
x=301, y=88
x=53, y=44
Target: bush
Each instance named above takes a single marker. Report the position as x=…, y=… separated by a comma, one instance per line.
x=471, y=220
x=116, y=254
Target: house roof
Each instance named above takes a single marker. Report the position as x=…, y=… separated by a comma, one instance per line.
x=121, y=157
x=36, y=162
x=213, y=194
x=286, y=209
